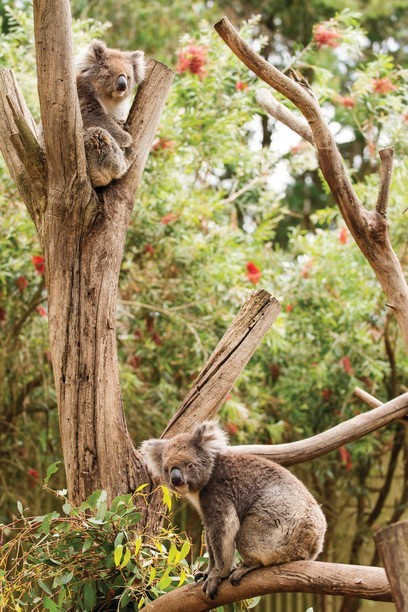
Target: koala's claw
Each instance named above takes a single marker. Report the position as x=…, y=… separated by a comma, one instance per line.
x=200, y=576
x=210, y=586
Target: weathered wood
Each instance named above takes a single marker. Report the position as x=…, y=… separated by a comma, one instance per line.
x=367, y=398
x=226, y=363
x=369, y=228
x=278, y=111
x=25, y=163
x=297, y=577
x=392, y=544
x=310, y=448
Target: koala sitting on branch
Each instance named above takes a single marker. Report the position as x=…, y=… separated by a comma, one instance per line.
x=105, y=81
x=245, y=502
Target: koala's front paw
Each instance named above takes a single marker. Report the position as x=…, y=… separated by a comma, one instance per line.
x=210, y=586
x=124, y=139
x=200, y=576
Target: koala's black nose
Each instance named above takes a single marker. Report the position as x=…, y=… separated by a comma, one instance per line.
x=121, y=83
x=176, y=477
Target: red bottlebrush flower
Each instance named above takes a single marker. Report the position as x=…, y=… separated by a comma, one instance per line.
x=325, y=37
x=3, y=314
x=289, y=308
x=383, y=86
x=134, y=362
x=162, y=144
x=241, y=86
x=232, y=429
x=168, y=218
x=21, y=283
x=346, y=101
x=41, y=311
x=346, y=363
x=343, y=236
x=192, y=58
x=253, y=273
x=326, y=394
x=345, y=458
x=157, y=339
x=33, y=477
x=138, y=334
x=38, y=262
x=275, y=371
x=148, y=249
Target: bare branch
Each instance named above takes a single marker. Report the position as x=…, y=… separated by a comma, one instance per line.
x=367, y=398
x=296, y=577
x=284, y=115
x=369, y=228
x=19, y=145
x=386, y=156
x=144, y=119
x=226, y=363
x=310, y=448
x=60, y=113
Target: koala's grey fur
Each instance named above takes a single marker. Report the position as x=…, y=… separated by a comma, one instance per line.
x=245, y=502
x=105, y=81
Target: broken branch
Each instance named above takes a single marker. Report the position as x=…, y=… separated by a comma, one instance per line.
x=226, y=363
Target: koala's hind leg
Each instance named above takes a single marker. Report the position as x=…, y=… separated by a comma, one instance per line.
x=239, y=572
x=105, y=159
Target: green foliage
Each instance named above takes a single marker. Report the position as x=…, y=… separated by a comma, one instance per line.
x=90, y=557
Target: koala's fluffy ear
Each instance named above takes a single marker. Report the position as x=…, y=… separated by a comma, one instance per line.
x=210, y=437
x=138, y=61
x=152, y=450
x=92, y=55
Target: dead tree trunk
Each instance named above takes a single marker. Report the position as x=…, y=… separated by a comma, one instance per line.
x=392, y=543
x=82, y=235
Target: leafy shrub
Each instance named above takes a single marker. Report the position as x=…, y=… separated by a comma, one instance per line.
x=90, y=557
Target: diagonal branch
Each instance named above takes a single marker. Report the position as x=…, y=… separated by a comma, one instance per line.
x=276, y=110
x=226, y=363
x=310, y=448
x=296, y=577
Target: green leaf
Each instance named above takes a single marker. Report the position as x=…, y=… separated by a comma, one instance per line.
x=117, y=555
x=185, y=549
x=66, y=508
x=20, y=507
x=164, y=582
x=44, y=587
x=141, y=487
x=50, y=605
x=87, y=544
x=173, y=554
x=89, y=595
x=126, y=558
x=119, y=539
x=254, y=602
x=52, y=469
x=166, y=497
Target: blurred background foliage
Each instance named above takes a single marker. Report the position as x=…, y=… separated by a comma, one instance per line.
x=230, y=201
